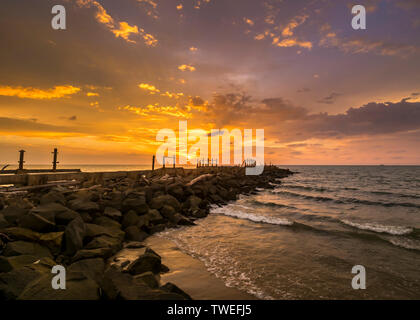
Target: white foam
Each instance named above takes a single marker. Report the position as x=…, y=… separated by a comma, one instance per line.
x=394, y=230
x=232, y=212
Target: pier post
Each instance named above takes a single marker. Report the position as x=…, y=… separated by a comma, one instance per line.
x=163, y=162
x=55, y=159
x=153, y=162
x=174, y=161
x=21, y=157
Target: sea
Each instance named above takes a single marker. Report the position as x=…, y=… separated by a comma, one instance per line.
x=302, y=239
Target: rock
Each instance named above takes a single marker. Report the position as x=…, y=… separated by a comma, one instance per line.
x=36, y=222
x=144, y=263
x=134, y=245
x=91, y=268
x=109, y=243
x=176, y=191
x=16, y=248
x=94, y=230
x=107, y=222
x=13, y=213
x=118, y=285
x=8, y=264
x=164, y=269
x=112, y=212
x=3, y=222
x=133, y=233
x=154, y=216
x=85, y=217
x=53, y=197
x=130, y=219
x=182, y=221
x=55, y=212
x=168, y=212
x=13, y=283
x=170, y=287
x=78, y=287
x=74, y=234
x=160, y=201
x=157, y=228
x=92, y=253
x=192, y=202
x=143, y=221
x=51, y=240
x=149, y=279
x=137, y=204
x=81, y=204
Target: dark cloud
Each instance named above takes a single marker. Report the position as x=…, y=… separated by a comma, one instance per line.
x=73, y=118
x=330, y=99
x=294, y=123
x=16, y=125
x=303, y=90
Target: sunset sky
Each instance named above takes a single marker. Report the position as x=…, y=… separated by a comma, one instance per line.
x=122, y=70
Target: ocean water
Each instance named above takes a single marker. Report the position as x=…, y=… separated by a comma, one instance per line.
x=301, y=239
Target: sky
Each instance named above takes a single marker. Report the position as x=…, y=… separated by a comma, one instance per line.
x=101, y=90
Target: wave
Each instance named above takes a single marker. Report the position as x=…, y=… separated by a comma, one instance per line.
x=253, y=217
x=379, y=228
x=293, y=186
x=347, y=200
x=271, y=204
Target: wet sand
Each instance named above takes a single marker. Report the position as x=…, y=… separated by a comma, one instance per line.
x=191, y=274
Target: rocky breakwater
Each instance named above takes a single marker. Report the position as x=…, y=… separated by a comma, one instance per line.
x=84, y=228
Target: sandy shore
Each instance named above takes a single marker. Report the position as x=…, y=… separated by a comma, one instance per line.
x=191, y=274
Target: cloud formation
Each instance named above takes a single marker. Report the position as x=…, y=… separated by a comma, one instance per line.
x=39, y=94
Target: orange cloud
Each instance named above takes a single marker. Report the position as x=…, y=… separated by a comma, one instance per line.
x=186, y=67
x=39, y=94
x=152, y=89
x=173, y=111
x=125, y=31
x=92, y=94
x=294, y=23
x=286, y=43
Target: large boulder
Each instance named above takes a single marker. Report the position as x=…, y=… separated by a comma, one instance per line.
x=118, y=285
x=148, y=278
x=170, y=287
x=160, y=201
x=3, y=222
x=52, y=240
x=36, y=222
x=53, y=197
x=133, y=233
x=154, y=216
x=145, y=263
x=92, y=253
x=112, y=213
x=55, y=212
x=81, y=204
x=110, y=243
x=130, y=219
x=14, y=282
x=138, y=204
x=13, y=213
x=107, y=222
x=74, y=235
x=91, y=268
x=16, y=248
x=8, y=264
x=78, y=287
x=94, y=230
